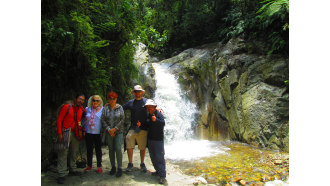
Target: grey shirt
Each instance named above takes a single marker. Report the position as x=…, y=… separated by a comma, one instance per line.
x=113, y=118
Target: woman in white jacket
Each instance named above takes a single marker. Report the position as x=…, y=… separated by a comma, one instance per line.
x=93, y=131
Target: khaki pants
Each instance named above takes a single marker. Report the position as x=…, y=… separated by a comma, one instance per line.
x=140, y=138
x=62, y=156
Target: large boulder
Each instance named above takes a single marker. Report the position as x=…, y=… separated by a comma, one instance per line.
x=241, y=94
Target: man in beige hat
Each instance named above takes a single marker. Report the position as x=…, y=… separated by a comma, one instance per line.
x=138, y=130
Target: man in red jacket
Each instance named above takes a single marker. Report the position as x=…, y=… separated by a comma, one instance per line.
x=69, y=118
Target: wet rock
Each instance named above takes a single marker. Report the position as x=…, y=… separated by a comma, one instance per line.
x=242, y=182
x=278, y=162
x=198, y=180
x=236, y=179
x=223, y=71
x=245, y=88
x=233, y=78
x=257, y=184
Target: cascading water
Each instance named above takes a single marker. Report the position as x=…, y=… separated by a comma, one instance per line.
x=179, y=112
x=179, y=117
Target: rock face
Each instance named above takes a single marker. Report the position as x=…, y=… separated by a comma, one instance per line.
x=241, y=95
x=146, y=71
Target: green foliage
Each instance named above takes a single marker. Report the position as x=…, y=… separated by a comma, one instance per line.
x=88, y=46
x=272, y=7
x=190, y=23
x=276, y=11
x=83, y=45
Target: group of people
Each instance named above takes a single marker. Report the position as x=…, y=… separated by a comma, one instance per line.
x=98, y=123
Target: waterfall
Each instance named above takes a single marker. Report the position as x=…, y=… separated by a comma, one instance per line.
x=179, y=115
x=179, y=112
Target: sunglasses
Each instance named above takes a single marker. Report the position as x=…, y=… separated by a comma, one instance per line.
x=96, y=100
x=135, y=91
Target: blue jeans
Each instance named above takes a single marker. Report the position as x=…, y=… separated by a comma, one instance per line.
x=114, y=145
x=157, y=153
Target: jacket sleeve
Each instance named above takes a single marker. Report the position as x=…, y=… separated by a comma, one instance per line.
x=126, y=105
x=61, y=118
x=105, y=126
x=160, y=119
x=120, y=124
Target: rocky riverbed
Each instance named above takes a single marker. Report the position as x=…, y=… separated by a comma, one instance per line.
x=240, y=165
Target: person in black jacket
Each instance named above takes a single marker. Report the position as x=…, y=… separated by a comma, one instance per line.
x=156, y=123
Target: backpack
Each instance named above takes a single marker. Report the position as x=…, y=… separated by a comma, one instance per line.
x=60, y=108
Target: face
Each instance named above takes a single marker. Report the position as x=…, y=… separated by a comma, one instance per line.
x=151, y=109
x=112, y=100
x=80, y=101
x=138, y=93
x=96, y=101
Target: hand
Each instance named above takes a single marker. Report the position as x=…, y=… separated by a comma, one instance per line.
x=159, y=110
x=60, y=137
x=138, y=123
x=112, y=132
x=153, y=118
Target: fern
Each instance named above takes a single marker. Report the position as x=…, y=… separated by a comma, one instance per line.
x=272, y=7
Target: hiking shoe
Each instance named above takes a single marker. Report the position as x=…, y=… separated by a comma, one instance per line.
x=154, y=173
x=119, y=173
x=143, y=167
x=74, y=173
x=129, y=167
x=113, y=171
x=60, y=180
x=162, y=180
x=88, y=169
x=99, y=170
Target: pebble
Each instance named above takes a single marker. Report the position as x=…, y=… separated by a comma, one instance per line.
x=278, y=162
x=242, y=182
x=199, y=180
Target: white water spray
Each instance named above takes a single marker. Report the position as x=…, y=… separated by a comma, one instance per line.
x=179, y=117
x=179, y=112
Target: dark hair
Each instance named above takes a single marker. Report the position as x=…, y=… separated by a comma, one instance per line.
x=80, y=95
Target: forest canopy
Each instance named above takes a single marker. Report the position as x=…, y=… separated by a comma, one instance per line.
x=88, y=46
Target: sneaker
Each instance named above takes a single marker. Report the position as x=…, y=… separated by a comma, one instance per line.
x=88, y=169
x=99, y=170
x=154, y=173
x=119, y=173
x=60, y=180
x=162, y=180
x=143, y=167
x=74, y=173
x=113, y=171
x=129, y=167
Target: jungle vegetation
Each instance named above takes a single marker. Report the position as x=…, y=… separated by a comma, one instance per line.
x=88, y=45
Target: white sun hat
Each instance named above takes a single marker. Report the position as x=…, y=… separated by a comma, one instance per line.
x=150, y=102
x=138, y=87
